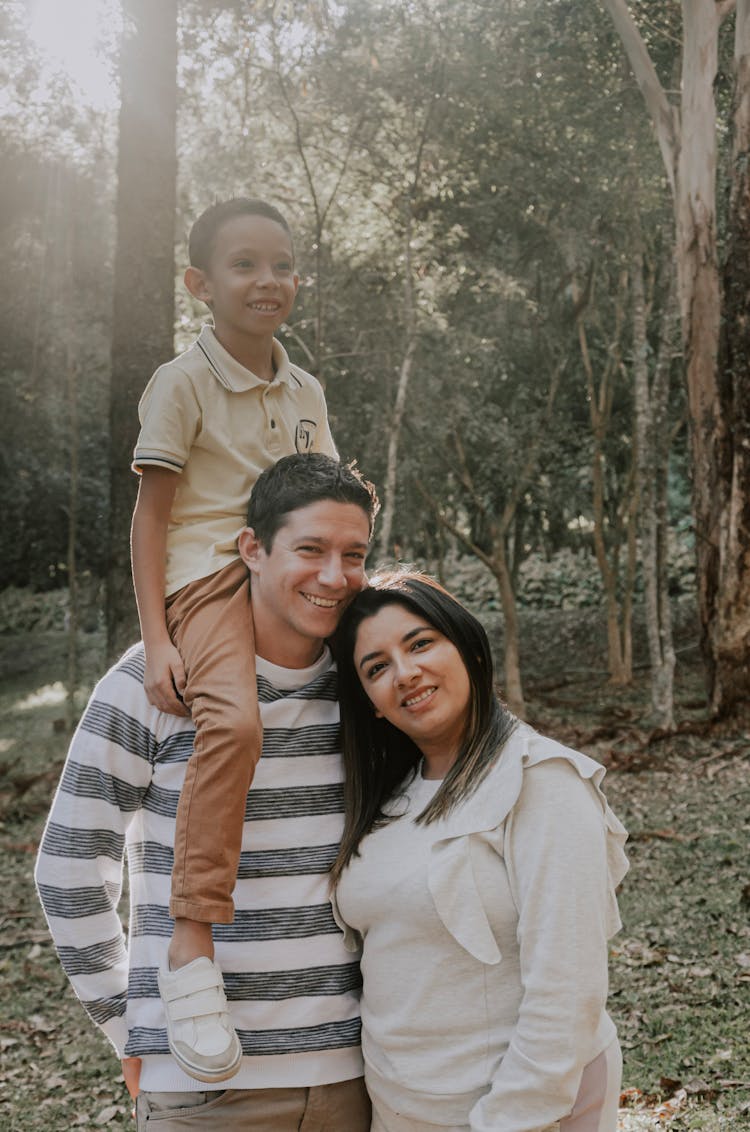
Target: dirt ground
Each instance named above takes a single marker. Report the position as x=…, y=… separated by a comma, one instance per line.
x=680, y=967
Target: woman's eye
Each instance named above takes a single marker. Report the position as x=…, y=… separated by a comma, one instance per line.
x=374, y=669
x=422, y=642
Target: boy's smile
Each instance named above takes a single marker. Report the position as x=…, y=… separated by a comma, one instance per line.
x=250, y=283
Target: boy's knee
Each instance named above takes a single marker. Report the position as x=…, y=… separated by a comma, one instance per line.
x=244, y=730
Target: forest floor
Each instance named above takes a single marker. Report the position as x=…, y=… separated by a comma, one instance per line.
x=680, y=967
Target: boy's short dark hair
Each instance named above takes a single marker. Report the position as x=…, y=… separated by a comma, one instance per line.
x=299, y=480
x=202, y=238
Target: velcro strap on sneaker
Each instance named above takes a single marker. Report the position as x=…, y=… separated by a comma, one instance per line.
x=197, y=1005
x=191, y=982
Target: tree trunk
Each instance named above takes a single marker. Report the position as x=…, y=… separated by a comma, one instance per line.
x=73, y=461
x=717, y=396
x=699, y=296
x=730, y=628
x=619, y=651
x=512, y=687
x=143, y=325
x=389, y=494
x=652, y=433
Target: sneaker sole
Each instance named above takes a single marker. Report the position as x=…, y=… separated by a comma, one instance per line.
x=210, y=1077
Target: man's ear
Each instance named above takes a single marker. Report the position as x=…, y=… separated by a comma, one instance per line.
x=249, y=548
x=198, y=284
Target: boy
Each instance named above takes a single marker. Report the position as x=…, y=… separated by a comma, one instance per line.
x=212, y=420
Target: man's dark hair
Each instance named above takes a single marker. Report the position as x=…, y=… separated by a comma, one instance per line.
x=202, y=238
x=299, y=480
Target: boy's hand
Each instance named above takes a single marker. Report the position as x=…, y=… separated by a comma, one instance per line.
x=131, y=1071
x=164, y=678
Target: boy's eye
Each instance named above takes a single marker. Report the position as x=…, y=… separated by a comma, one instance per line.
x=285, y=266
x=244, y=263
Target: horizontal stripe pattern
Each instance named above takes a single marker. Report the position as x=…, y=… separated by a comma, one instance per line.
x=266, y=986
x=260, y=1043
x=289, y=743
x=61, y=841
x=293, y=988
x=247, y=926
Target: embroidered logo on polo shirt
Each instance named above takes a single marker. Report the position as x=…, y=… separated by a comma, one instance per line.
x=305, y=435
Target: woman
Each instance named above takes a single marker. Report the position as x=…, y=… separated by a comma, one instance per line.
x=477, y=872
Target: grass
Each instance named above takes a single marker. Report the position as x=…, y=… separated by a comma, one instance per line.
x=680, y=968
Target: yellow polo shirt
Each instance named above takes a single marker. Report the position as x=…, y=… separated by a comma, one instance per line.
x=206, y=416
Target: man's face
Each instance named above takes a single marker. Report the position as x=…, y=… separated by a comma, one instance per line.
x=250, y=283
x=301, y=587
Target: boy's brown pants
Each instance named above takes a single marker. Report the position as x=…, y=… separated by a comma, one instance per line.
x=210, y=622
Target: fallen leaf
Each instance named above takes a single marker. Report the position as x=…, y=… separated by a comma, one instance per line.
x=108, y=1113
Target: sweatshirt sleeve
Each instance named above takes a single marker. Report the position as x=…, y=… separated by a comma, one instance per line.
x=79, y=868
x=556, y=854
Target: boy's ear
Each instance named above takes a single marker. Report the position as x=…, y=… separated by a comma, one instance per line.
x=249, y=547
x=198, y=285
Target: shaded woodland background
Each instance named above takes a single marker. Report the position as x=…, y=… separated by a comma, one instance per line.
x=523, y=233
x=523, y=286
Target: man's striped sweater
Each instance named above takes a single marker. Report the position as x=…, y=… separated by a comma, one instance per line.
x=293, y=988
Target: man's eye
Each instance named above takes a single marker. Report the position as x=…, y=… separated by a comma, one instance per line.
x=356, y=556
x=309, y=549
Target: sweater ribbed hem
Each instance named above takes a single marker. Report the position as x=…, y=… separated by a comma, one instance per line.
x=442, y=1108
x=160, y=1074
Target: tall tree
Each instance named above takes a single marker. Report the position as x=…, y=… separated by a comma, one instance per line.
x=143, y=327
x=719, y=402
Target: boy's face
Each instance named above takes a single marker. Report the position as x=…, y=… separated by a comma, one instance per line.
x=303, y=584
x=250, y=282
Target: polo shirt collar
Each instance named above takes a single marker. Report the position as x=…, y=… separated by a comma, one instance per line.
x=231, y=373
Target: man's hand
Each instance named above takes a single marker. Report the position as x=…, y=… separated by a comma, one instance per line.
x=131, y=1071
x=164, y=678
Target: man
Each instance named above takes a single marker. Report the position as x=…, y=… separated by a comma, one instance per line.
x=293, y=989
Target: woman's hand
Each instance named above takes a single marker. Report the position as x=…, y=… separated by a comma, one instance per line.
x=131, y=1071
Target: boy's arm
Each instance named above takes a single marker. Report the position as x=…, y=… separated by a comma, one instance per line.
x=165, y=673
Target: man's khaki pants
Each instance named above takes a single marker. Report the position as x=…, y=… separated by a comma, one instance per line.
x=341, y=1107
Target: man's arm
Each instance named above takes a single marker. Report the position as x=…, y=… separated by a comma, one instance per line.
x=80, y=863
x=164, y=668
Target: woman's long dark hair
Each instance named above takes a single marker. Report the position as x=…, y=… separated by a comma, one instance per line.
x=377, y=756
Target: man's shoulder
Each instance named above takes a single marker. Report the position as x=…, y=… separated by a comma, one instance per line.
x=120, y=697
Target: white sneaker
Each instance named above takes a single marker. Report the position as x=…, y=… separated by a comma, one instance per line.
x=201, y=1036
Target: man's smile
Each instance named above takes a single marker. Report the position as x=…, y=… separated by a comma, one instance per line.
x=323, y=602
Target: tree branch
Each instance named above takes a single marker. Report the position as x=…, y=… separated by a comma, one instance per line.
x=663, y=115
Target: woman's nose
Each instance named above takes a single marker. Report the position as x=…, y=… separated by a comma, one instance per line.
x=404, y=670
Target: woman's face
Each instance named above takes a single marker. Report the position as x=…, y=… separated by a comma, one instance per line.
x=415, y=678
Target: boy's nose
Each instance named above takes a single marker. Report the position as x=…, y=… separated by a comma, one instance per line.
x=265, y=276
